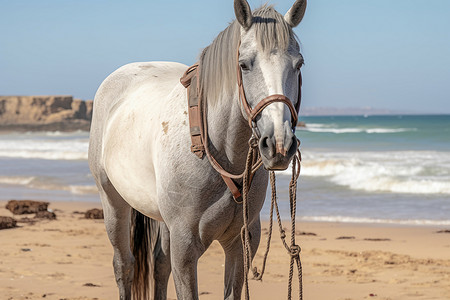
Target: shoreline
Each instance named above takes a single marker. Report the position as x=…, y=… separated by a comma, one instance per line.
x=388, y=223
x=71, y=258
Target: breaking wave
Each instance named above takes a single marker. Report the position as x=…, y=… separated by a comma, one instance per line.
x=414, y=172
x=51, y=149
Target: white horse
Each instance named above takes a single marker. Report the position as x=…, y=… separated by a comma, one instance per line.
x=151, y=184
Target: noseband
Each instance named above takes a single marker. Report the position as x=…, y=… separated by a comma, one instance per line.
x=198, y=121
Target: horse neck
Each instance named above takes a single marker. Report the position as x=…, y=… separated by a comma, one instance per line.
x=228, y=133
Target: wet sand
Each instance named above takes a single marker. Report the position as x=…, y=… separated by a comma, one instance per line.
x=71, y=258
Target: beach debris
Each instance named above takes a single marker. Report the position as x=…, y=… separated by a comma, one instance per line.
x=45, y=215
x=204, y=293
x=305, y=233
x=20, y=207
x=345, y=238
x=443, y=231
x=25, y=249
x=94, y=213
x=377, y=240
x=7, y=222
x=91, y=284
x=47, y=294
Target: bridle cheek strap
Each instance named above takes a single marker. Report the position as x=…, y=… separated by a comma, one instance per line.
x=253, y=113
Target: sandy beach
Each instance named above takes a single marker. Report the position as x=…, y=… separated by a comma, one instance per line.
x=70, y=258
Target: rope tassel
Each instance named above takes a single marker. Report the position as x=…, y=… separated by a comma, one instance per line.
x=293, y=249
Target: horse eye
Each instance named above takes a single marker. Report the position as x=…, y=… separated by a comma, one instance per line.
x=300, y=64
x=244, y=66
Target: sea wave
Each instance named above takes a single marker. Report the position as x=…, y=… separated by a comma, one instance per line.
x=414, y=172
x=346, y=219
x=47, y=184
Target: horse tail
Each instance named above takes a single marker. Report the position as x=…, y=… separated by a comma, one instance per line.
x=144, y=235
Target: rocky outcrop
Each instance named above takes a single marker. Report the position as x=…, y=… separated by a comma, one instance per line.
x=20, y=207
x=44, y=113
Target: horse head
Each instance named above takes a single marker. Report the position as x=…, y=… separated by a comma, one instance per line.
x=269, y=77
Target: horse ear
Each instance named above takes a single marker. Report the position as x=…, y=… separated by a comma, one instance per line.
x=295, y=15
x=243, y=13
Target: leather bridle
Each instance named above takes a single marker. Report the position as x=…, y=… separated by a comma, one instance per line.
x=252, y=113
x=198, y=119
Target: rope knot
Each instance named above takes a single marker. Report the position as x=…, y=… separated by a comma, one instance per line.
x=295, y=250
x=253, y=142
x=283, y=234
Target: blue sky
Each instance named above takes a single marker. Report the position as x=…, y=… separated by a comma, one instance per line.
x=383, y=54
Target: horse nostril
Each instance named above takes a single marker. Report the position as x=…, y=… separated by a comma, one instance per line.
x=267, y=147
x=264, y=142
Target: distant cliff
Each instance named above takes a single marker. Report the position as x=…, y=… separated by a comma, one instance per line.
x=49, y=113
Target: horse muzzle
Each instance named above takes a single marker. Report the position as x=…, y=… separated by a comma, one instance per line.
x=277, y=155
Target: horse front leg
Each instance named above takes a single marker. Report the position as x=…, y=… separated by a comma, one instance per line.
x=234, y=261
x=185, y=250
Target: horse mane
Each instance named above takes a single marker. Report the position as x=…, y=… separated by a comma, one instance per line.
x=218, y=61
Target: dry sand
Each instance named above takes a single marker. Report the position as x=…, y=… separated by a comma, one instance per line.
x=70, y=258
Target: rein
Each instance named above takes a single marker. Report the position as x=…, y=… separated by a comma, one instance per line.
x=199, y=139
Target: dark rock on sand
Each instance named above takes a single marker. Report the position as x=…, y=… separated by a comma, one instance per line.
x=89, y=284
x=345, y=238
x=45, y=215
x=377, y=240
x=94, y=214
x=20, y=207
x=305, y=233
x=7, y=222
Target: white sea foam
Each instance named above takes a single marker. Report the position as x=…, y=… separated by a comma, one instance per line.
x=45, y=155
x=334, y=130
x=16, y=180
x=346, y=219
x=53, y=149
x=415, y=172
x=331, y=128
x=389, y=130
x=82, y=189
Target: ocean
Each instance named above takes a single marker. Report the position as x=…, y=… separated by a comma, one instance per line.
x=364, y=169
